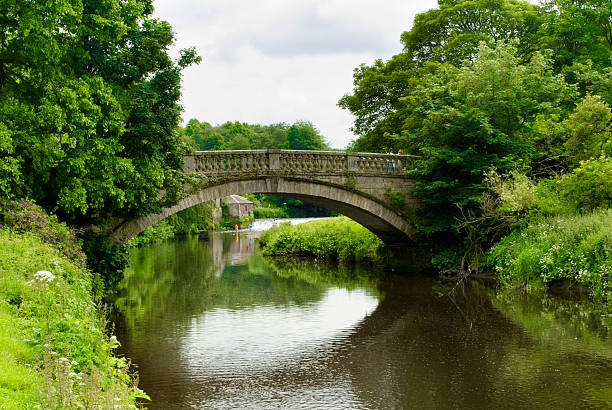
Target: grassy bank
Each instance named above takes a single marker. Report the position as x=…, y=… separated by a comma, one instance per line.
x=336, y=238
x=52, y=335
x=576, y=249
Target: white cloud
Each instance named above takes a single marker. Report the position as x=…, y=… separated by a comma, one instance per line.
x=278, y=61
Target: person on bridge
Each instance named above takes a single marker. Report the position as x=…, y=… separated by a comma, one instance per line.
x=390, y=161
x=399, y=162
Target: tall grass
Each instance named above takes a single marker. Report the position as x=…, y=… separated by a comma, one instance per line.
x=263, y=212
x=576, y=248
x=336, y=238
x=54, y=350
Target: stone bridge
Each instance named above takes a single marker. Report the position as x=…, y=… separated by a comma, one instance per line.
x=358, y=185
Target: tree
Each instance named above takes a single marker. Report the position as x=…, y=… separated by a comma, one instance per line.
x=449, y=34
x=89, y=107
x=453, y=32
x=203, y=135
x=303, y=135
x=590, y=129
x=272, y=136
x=579, y=30
x=467, y=120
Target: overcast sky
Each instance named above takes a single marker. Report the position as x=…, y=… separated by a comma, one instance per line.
x=271, y=61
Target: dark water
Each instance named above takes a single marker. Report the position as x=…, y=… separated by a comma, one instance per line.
x=212, y=324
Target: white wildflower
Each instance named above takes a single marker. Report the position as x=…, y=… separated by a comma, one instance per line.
x=44, y=276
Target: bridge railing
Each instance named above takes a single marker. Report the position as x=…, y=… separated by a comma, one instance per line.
x=294, y=162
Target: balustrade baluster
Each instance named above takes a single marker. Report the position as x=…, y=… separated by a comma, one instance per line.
x=257, y=161
x=249, y=162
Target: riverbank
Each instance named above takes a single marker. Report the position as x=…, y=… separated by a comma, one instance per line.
x=337, y=238
x=53, y=341
x=576, y=249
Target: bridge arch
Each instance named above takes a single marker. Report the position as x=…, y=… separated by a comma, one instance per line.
x=369, y=211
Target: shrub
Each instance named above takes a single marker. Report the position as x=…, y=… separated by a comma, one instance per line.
x=261, y=213
x=336, y=238
x=589, y=186
x=576, y=248
x=107, y=258
x=155, y=233
x=25, y=216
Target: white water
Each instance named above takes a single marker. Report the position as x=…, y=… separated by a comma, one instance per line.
x=260, y=225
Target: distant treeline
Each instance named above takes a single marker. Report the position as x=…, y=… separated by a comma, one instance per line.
x=301, y=135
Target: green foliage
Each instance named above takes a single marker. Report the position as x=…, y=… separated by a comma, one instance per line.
x=107, y=258
x=453, y=32
x=476, y=87
x=583, y=190
x=589, y=186
x=263, y=213
x=303, y=135
x=466, y=120
x=336, y=239
x=25, y=216
x=159, y=232
x=194, y=219
x=237, y=135
x=578, y=30
x=47, y=311
x=590, y=129
x=89, y=107
x=574, y=248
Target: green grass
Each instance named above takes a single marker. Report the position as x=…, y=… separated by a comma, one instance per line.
x=262, y=213
x=61, y=314
x=575, y=248
x=336, y=238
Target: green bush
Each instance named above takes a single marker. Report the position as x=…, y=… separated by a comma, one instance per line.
x=336, y=238
x=25, y=216
x=107, y=258
x=193, y=219
x=576, y=248
x=154, y=233
x=586, y=188
x=262, y=213
x=230, y=223
x=589, y=186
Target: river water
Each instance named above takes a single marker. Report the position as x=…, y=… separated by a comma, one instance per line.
x=210, y=323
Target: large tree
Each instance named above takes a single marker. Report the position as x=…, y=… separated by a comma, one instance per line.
x=579, y=30
x=465, y=121
x=89, y=106
x=451, y=34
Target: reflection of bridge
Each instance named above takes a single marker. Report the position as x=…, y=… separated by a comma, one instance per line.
x=362, y=186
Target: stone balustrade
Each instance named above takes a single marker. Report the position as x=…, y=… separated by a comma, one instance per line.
x=294, y=162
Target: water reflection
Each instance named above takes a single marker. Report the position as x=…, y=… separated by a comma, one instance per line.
x=212, y=324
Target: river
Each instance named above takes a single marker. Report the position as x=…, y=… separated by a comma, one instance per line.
x=210, y=323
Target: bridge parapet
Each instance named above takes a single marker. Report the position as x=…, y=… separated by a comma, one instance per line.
x=295, y=161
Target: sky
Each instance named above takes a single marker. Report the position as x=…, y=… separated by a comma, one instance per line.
x=270, y=61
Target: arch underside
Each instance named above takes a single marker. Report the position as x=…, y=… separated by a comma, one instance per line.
x=387, y=224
